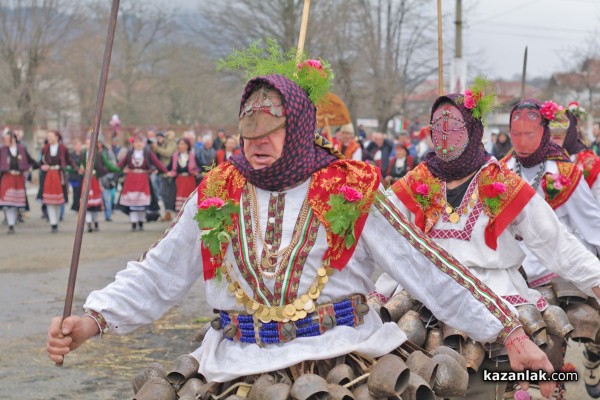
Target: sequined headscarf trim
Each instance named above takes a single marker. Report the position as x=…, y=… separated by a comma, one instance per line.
x=474, y=155
x=300, y=157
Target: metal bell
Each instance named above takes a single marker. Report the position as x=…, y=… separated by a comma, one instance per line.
x=557, y=322
x=396, y=307
x=549, y=294
x=337, y=392
x=216, y=323
x=184, y=368
x=567, y=292
x=389, y=377
x=289, y=330
x=531, y=319
x=414, y=328
x=229, y=331
x=434, y=339
x=156, y=389
x=452, y=353
x=310, y=386
x=453, y=338
x=474, y=353
x=375, y=303
x=340, y=374
x=278, y=391
x=427, y=317
x=153, y=370
x=362, y=393
x=418, y=389
x=190, y=388
x=362, y=309
x=585, y=321
x=451, y=380
x=422, y=365
x=259, y=386
x=199, y=337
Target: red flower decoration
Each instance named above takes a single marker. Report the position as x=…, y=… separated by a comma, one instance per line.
x=312, y=64
x=211, y=202
x=350, y=194
x=469, y=102
x=422, y=189
x=549, y=110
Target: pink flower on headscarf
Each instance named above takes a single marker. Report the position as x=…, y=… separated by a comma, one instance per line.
x=350, y=194
x=311, y=63
x=549, y=110
x=211, y=202
x=469, y=102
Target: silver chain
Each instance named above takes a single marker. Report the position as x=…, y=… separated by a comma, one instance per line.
x=538, y=176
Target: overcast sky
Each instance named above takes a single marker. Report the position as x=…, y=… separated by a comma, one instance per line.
x=497, y=31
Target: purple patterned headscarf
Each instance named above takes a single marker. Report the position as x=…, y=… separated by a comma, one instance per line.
x=547, y=148
x=572, y=143
x=474, y=155
x=300, y=157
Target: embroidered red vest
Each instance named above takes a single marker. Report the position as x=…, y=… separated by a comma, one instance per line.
x=427, y=211
x=226, y=183
x=590, y=163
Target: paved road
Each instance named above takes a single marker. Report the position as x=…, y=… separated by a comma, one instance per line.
x=34, y=267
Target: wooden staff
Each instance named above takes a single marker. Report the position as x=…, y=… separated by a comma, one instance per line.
x=89, y=167
x=303, y=27
x=523, y=75
x=440, y=59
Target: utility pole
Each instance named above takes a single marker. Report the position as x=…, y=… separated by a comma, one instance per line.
x=458, y=72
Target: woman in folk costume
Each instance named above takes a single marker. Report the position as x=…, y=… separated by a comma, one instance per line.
x=565, y=134
x=15, y=161
x=347, y=144
x=53, y=179
x=471, y=205
x=290, y=236
x=230, y=149
x=183, y=167
x=137, y=195
x=102, y=166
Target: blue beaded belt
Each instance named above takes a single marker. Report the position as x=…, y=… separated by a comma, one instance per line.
x=241, y=327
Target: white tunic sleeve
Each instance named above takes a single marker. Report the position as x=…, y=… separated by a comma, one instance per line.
x=434, y=277
x=555, y=247
x=148, y=288
x=584, y=214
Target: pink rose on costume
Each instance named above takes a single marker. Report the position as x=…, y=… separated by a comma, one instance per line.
x=499, y=187
x=212, y=202
x=564, y=181
x=469, y=102
x=350, y=194
x=557, y=183
x=422, y=189
x=311, y=63
x=549, y=109
x=469, y=93
x=522, y=395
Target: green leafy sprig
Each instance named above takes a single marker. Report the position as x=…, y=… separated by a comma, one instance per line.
x=261, y=60
x=215, y=225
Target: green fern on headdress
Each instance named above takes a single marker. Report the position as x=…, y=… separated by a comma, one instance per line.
x=314, y=76
x=480, y=98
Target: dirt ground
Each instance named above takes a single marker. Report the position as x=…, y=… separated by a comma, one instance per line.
x=34, y=267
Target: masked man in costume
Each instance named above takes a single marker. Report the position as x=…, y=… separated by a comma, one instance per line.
x=471, y=205
x=548, y=169
x=564, y=133
x=289, y=236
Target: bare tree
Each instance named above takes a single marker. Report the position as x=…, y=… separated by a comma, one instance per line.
x=30, y=33
x=398, y=44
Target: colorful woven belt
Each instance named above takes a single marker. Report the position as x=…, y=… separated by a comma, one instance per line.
x=247, y=328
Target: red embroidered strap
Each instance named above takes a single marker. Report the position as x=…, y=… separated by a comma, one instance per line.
x=516, y=197
x=327, y=182
x=590, y=163
x=574, y=175
x=226, y=183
